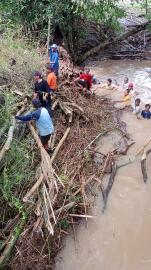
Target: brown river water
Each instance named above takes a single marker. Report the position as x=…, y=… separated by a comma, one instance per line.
x=119, y=239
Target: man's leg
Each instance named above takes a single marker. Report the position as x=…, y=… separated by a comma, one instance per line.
x=44, y=141
x=48, y=107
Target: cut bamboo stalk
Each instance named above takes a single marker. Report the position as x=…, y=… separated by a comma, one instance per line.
x=10, y=135
x=48, y=198
x=82, y=216
x=33, y=189
x=60, y=144
x=142, y=148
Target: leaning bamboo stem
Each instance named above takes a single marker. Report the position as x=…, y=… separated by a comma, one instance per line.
x=10, y=135
x=34, y=188
x=60, y=144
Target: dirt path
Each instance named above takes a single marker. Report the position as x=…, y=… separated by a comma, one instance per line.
x=120, y=239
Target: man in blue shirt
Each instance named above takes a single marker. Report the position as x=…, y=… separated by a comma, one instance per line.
x=54, y=58
x=146, y=113
x=43, y=122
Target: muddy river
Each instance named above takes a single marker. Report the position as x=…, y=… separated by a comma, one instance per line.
x=119, y=239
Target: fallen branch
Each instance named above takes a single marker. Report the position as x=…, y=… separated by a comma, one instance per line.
x=82, y=216
x=97, y=137
x=105, y=44
x=74, y=105
x=143, y=165
x=142, y=148
x=9, y=140
x=17, y=92
x=12, y=240
x=66, y=207
x=55, y=104
x=106, y=191
x=10, y=135
x=59, y=145
x=33, y=189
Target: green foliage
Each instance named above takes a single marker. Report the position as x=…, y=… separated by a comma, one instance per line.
x=144, y=6
x=18, y=172
x=27, y=61
x=65, y=14
x=64, y=224
x=64, y=178
x=6, y=110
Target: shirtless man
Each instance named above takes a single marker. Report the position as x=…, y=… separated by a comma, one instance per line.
x=109, y=85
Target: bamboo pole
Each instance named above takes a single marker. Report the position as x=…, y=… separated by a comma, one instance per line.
x=10, y=135
x=34, y=188
x=60, y=144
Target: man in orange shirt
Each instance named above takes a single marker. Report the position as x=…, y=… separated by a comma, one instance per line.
x=51, y=78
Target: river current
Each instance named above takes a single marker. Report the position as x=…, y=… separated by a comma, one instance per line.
x=119, y=239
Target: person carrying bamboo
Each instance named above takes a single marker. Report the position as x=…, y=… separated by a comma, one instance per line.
x=43, y=122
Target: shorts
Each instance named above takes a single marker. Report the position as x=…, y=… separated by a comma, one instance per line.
x=82, y=82
x=45, y=139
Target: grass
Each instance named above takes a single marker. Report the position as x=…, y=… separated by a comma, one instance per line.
x=17, y=171
x=18, y=61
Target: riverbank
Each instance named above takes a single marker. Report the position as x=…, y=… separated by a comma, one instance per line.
x=24, y=164
x=121, y=236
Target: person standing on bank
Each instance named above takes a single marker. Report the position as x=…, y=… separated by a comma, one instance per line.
x=42, y=91
x=51, y=78
x=54, y=58
x=43, y=122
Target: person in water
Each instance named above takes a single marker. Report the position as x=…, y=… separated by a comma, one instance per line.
x=127, y=96
x=109, y=85
x=137, y=108
x=130, y=87
x=125, y=84
x=43, y=122
x=146, y=113
x=84, y=80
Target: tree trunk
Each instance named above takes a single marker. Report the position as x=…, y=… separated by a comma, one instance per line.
x=106, y=43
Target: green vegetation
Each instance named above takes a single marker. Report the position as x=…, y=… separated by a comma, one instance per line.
x=67, y=16
x=17, y=170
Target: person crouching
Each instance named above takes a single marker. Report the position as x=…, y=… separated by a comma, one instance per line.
x=43, y=122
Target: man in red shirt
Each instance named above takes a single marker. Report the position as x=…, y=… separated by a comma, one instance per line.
x=84, y=80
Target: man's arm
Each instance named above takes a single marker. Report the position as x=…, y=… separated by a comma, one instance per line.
x=143, y=114
x=35, y=92
x=31, y=116
x=48, y=90
x=149, y=115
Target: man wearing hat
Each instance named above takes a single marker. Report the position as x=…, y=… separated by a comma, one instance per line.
x=43, y=122
x=54, y=58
